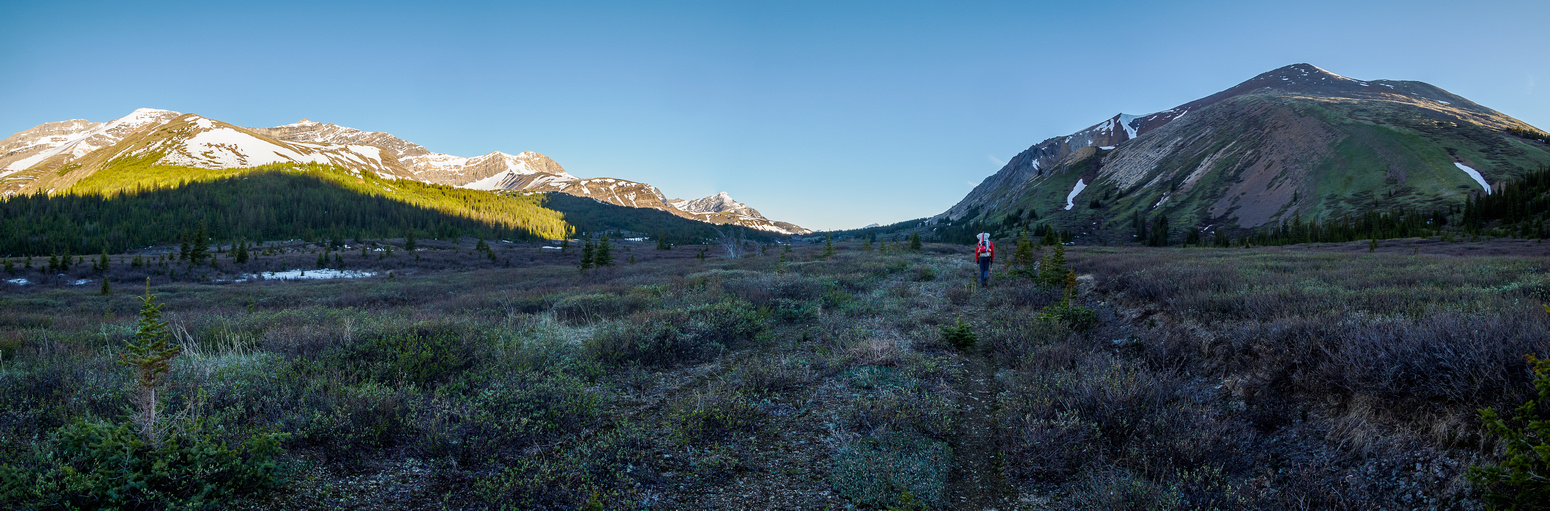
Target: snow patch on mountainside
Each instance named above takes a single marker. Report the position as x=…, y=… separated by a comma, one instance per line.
x=1125, y=121
x=1474, y=174
x=1071, y=197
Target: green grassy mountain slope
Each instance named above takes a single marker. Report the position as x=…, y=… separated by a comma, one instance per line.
x=1294, y=143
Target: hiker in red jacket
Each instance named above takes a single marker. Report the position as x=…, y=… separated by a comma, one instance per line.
x=984, y=253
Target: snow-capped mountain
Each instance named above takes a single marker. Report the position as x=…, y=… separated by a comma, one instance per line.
x=721, y=209
x=1294, y=142
x=55, y=144
x=56, y=155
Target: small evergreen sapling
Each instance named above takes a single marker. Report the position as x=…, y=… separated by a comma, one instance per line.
x=959, y=334
x=1522, y=480
x=150, y=353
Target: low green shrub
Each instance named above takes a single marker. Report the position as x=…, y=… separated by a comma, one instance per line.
x=713, y=416
x=512, y=413
x=1519, y=481
x=1079, y=318
x=587, y=308
x=94, y=464
x=675, y=336
x=423, y=354
x=793, y=311
x=607, y=467
x=880, y=472
x=959, y=334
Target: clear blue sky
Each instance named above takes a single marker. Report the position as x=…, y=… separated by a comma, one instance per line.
x=827, y=114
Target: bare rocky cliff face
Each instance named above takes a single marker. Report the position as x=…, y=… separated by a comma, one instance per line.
x=1295, y=141
x=54, y=156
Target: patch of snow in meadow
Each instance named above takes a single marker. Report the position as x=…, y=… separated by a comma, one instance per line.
x=20, y=282
x=552, y=248
x=1474, y=174
x=325, y=273
x=1071, y=197
x=81, y=282
x=1107, y=148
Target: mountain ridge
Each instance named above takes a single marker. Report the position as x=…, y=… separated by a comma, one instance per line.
x=1294, y=142
x=54, y=156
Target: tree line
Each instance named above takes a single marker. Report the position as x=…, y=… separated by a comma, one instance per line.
x=265, y=205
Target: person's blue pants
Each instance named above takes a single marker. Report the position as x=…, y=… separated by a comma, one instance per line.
x=984, y=271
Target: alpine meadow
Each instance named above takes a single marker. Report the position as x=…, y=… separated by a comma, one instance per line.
x=1282, y=288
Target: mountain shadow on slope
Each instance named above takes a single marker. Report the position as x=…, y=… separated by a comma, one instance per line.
x=590, y=216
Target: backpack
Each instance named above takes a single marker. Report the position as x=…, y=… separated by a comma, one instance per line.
x=985, y=249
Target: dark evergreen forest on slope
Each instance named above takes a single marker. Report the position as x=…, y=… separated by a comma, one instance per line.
x=271, y=205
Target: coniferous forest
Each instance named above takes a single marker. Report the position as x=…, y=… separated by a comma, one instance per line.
x=259, y=206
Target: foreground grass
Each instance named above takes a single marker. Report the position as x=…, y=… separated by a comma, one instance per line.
x=1234, y=379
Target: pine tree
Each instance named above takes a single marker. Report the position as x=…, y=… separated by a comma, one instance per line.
x=828, y=246
x=106, y=290
x=183, y=246
x=409, y=240
x=1024, y=256
x=662, y=243
x=28, y=263
x=915, y=241
x=322, y=259
x=10, y=267
x=1157, y=236
x=603, y=254
x=586, y=255
x=102, y=262
x=481, y=246
x=150, y=353
x=241, y=253
x=199, y=247
x=1052, y=271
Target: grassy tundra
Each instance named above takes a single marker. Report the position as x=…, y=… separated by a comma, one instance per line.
x=1301, y=377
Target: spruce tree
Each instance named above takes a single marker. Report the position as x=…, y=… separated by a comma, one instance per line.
x=106, y=290
x=150, y=353
x=241, y=254
x=586, y=255
x=915, y=241
x=828, y=246
x=199, y=247
x=603, y=255
x=1024, y=256
x=1052, y=271
x=409, y=240
x=102, y=262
